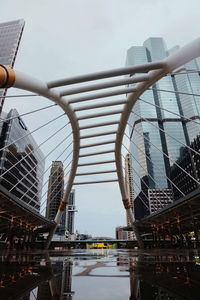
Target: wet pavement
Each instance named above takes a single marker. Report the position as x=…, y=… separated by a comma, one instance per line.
x=101, y=274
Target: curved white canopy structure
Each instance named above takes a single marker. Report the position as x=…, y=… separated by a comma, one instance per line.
x=69, y=98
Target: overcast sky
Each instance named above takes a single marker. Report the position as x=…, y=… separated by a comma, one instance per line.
x=64, y=38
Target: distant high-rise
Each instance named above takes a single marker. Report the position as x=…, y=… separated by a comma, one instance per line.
x=70, y=213
x=129, y=189
x=55, y=193
x=157, y=135
x=10, y=36
x=121, y=234
x=21, y=161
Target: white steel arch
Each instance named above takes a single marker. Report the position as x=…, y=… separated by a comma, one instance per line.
x=152, y=72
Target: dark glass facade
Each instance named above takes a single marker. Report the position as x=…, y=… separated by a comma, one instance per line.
x=189, y=161
x=21, y=162
x=10, y=36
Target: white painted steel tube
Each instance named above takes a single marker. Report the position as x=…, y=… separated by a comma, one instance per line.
x=96, y=153
x=88, y=136
x=93, y=182
x=94, y=173
x=104, y=104
x=104, y=85
x=97, y=163
x=102, y=95
x=99, y=125
x=105, y=74
x=97, y=144
x=109, y=113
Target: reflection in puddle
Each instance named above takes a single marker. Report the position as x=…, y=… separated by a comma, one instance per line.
x=113, y=274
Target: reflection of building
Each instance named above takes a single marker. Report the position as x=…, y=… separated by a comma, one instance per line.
x=66, y=286
x=60, y=285
x=10, y=36
x=44, y=291
x=129, y=189
x=55, y=193
x=70, y=213
x=21, y=162
x=152, y=277
x=189, y=161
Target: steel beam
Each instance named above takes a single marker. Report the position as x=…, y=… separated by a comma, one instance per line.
x=87, y=136
x=99, y=125
x=92, y=182
x=97, y=144
x=99, y=105
x=96, y=153
x=113, y=112
x=106, y=74
x=96, y=163
x=104, y=85
x=94, y=173
x=102, y=95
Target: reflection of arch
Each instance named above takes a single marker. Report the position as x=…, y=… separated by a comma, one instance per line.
x=155, y=71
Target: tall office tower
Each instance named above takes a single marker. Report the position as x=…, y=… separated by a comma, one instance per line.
x=155, y=130
x=129, y=189
x=70, y=213
x=55, y=194
x=21, y=162
x=10, y=36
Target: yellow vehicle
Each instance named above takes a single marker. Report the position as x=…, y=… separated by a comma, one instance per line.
x=99, y=246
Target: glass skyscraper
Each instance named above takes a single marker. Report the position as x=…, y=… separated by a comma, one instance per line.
x=157, y=135
x=10, y=36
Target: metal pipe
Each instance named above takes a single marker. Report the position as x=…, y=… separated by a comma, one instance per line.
x=104, y=104
x=92, y=182
x=98, y=134
x=97, y=163
x=104, y=85
x=98, y=144
x=102, y=95
x=94, y=173
x=96, y=153
x=99, y=125
x=105, y=74
x=113, y=112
